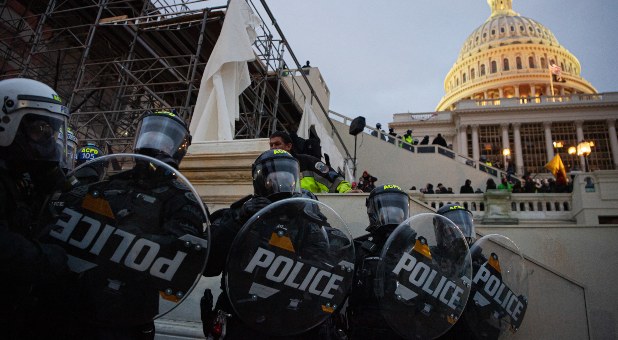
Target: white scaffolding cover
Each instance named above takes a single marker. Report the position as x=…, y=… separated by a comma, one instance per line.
x=226, y=76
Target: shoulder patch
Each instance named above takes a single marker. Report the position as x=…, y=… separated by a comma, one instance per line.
x=321, y=167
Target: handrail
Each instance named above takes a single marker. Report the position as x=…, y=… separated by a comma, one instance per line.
x=432, y=148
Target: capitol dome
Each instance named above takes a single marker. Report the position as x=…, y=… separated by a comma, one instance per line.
x=509, y=56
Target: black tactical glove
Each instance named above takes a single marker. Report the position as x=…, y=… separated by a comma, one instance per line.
x=252, y=206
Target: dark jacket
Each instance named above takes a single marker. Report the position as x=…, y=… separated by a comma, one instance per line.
x=32, y=272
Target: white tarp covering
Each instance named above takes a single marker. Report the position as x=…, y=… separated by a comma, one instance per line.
x=226, y=76
x=327, y=143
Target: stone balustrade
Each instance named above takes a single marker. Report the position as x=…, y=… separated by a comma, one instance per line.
x=497, y=206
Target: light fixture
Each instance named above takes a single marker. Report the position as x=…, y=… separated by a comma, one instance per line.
x=558, y=144
x=572, y=150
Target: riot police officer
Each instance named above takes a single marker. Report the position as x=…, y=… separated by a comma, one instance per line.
x=462, y=217
x=147, y=203
x=31, y=117
x=387, y=207
x=92, y=172
x=275, y=176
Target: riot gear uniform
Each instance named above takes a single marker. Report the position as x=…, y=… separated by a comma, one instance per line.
x=275, y=176
x=148, y=203
x=31, y=117
x=387, y=207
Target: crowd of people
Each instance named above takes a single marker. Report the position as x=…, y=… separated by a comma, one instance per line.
x=507, y=183
x=407, y=140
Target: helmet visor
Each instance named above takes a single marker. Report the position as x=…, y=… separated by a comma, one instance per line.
x=163, y=135
x=40, y=131
x=276, y=175
x=390, y=208
x=463, y=220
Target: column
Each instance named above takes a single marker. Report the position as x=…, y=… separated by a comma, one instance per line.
x=579, y=130
x=517, y=91
x=613, y=141
x=475, y=142
x=463, y=140
x=548, y=90
x=549, y=146
x=532, y=91
x=505, y=143
x=519, y=157
x=500, y=93
x=485, y=95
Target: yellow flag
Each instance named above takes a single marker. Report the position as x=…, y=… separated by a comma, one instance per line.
x=556, y=167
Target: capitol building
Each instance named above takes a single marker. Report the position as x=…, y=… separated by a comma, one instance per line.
x=502, y=102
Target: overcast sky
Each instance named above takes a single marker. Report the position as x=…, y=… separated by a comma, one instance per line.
x=384, y=57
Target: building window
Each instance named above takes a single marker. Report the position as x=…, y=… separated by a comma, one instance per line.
x=482, y=70
x=501, y=29
x=484, y=34
x=533, y=147
x=493, y=32
x=472, y=74
x=494, y=66
x=464, y=78
x=543, y=63
x=531, y=62
x=512, y=28
x=505, y=65
x=601, y=156
x=521, y=28
x=518, y=62
x=562, y=66
x=490, y=141
x=565, y=132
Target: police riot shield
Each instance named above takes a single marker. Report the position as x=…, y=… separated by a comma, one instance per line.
x=136, y=233
x=499, y=295
x=423, y=278
x=290, y=267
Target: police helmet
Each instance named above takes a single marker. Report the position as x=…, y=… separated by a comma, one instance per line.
x=31, y=117
x=387, y=205
x=72, y=141
x=275, y=171
x=162, y=135
x=462, y=217
x=86, y=153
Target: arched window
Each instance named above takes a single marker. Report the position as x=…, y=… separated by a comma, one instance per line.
x=482, y=70
x=531, y=62
x=543, y=63
x=562, y=66
x=505, y=65
x=464, y=78
x=494, y=66
x=456, y=81
x=472, y=74
x=518, y=63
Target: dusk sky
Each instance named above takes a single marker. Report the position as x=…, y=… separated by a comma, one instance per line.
x=384, y=57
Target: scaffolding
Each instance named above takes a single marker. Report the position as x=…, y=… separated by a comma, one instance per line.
x=113, y=60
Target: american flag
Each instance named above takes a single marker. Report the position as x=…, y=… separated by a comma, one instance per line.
x=556, y=71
